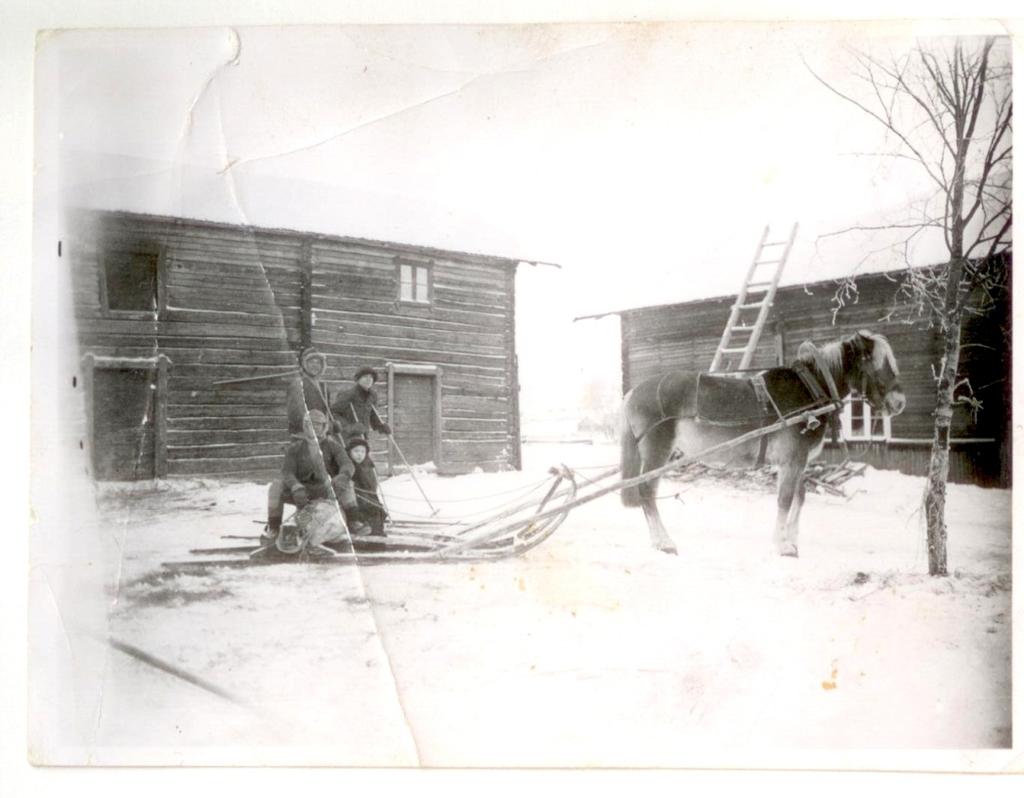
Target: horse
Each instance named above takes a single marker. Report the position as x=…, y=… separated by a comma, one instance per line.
x=660, y=421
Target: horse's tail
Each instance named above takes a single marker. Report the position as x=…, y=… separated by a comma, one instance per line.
x=629, y=453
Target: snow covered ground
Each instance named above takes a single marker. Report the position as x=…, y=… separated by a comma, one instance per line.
x=591, y=650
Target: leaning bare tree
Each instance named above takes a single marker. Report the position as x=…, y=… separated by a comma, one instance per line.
x=947, y=107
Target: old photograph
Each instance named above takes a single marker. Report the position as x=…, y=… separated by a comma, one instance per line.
x=619, y=395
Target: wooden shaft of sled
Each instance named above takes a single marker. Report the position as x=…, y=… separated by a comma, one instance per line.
x=258, y=377
x=528, y=504
x=401, y=454
x=649, y=475
x=433, y=509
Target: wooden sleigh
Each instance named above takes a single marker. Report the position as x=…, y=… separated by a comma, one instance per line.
x=508, y=533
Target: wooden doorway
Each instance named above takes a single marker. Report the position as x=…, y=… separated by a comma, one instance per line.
x=126, y=415
x=414, y=408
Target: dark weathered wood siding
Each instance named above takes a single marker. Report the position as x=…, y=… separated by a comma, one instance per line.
x=239, y=301
x=685, y=336
x=467, y=331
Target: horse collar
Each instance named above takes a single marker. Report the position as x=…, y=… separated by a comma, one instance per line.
x=661, y=406
x=814, y=383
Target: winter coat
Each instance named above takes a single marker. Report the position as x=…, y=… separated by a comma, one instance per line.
x=365, y=481
x=299, y=468
x=355, y=411
x=304, y=393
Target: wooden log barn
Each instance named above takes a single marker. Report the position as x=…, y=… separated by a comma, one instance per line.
x=167, y=307
x=685, y=335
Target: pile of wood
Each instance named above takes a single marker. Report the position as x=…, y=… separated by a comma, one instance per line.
x=754, y=479
x=830, y=477
x=820, y=477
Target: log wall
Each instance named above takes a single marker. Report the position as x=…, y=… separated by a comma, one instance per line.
x=238, y=302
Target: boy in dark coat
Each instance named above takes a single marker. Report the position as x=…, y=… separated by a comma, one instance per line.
x=368, y=505
x=355, y=410
x=312, y=469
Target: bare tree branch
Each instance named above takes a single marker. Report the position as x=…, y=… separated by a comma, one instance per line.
x=883, y=121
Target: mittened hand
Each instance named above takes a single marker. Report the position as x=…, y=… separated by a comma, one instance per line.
x=300, y=497
x=385, y=428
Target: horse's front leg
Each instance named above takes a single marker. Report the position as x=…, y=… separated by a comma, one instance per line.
x=790, y=489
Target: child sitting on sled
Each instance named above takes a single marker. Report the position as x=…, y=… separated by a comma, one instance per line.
x=369, y=509
x=315, y=469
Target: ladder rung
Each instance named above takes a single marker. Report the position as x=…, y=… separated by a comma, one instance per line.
x=762, y=292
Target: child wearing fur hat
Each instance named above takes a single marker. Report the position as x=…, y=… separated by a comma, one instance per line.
x=305, y=391
x=355, y=410
x=364, y=479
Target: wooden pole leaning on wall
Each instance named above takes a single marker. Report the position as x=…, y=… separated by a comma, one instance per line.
x=273, y=376
x=412, y=472
x=307, y=264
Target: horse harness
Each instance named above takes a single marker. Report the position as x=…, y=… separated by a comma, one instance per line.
x=828, y=393
x=832, y=396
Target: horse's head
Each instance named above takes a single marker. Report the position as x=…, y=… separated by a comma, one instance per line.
x=878, y=373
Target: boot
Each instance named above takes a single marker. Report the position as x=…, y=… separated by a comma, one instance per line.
x=356, y=524
x=270, y=532
x=288, y=541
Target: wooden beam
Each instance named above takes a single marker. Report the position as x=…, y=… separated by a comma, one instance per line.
x=88, y=370
x=163, y=364
x=514, y=425
x=438, y=420
x=624, y=351
x=780, y=341
x=391, y=414
x=306, y=266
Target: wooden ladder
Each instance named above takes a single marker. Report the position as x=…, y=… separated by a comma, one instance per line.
x=756, y=295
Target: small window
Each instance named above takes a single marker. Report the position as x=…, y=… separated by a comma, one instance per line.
x=414, y=283
x=131, y=280
x=860, y=423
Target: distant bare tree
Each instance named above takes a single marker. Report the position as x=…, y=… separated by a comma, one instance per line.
x=948, y=107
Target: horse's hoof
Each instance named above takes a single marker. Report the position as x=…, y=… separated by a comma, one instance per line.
x=788, y=550
x=669, y=549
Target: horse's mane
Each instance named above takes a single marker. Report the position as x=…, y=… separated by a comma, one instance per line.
x=883, y=353
x=831, y=354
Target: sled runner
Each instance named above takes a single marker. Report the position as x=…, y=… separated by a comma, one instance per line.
x=510, y=532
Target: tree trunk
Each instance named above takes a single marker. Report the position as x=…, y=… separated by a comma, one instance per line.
x=952, y=315
x=938, y=465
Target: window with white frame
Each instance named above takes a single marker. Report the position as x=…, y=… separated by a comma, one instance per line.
x=861, y=423
x=414, y=283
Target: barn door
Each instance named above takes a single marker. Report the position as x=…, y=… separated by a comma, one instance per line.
x=415, y=413
x=124, y=423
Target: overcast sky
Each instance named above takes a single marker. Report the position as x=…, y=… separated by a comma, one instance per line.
x=644, y=159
